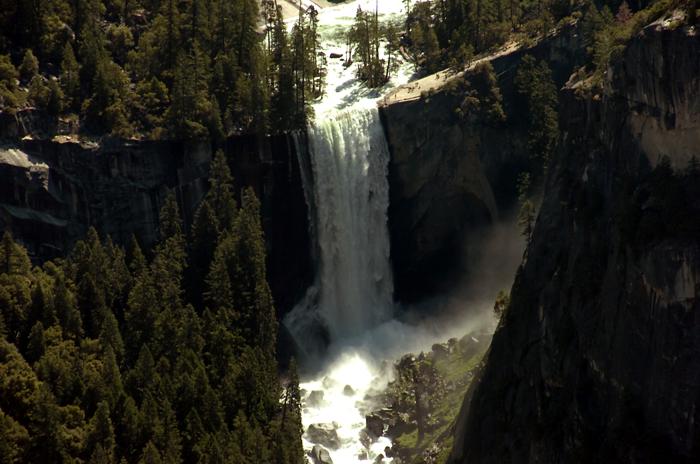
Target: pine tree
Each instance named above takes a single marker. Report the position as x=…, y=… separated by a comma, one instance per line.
x=150, y=455
x=170, y=442
x=526, y=215
x=118, y=277
x=289, y=447
x=143, y=377
x=534, y=83
x=137, y=261
x=102, y=433
x=140, y=314
x=128, y=430
x=219, y=295
x=13, y=257
x=29, y=67
x=91, y=302
x=36, y=344
x=170, y=224
x=111, y=376
x=110, y=337
x=70, y=76
x=205, y=234
x=193, y=438
x=220, y=195
x=13, y=439
x=490, y=99
x=250, y=289
x=42, y=308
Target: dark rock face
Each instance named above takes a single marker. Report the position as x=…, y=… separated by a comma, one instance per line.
x=597, y=359
x=448, y=176
x=52, y=191
x=320, y=455
x=324, y=434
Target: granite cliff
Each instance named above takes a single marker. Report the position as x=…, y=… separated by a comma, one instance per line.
x=451, y=175
x=55, y=187
x=597, y=358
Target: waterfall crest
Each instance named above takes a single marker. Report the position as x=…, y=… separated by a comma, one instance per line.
x=349, y=159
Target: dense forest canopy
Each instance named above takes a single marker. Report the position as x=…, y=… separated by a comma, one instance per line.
x=210, y=68
x=164, y=356
x=450, y=33
x=159, y=68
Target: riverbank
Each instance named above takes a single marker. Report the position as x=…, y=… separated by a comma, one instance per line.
x=442, y=376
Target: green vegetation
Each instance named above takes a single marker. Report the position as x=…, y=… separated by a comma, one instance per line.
x=501, y=304
x=527, y=212
x=536, y=88
x=105, y=358
x=427, y=396
x=448, y=33
x=482, y=100
x=608, y=35
x=160, y=68
x=365, y=38
x=607, y=27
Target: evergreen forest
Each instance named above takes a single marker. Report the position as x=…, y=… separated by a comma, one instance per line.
x=165, y=355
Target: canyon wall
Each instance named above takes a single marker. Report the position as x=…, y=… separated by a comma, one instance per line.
x=54, y=188
x=451, y=175
x=597, y=358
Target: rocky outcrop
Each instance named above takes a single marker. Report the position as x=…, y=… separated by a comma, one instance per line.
x=449, y=175
x=52, y=190
x=664, y=116
x=324, y=434
x=320, y=455
x=597, y=358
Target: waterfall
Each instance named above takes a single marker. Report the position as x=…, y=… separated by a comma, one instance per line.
x=350, y=195
x=349, y=160
x=344, y=157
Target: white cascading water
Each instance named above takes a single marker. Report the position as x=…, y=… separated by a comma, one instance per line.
x=349, y=158
x=348, y=196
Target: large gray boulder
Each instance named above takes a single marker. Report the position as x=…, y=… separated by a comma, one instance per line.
x=315, y=399
x=323, y=434
x=320, y=455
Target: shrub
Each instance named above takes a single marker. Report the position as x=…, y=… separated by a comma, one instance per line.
x=29, y=67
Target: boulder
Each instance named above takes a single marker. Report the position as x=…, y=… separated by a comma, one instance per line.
x=323, y=434
x=328, y=382
x=315, y=399
x=320, y=455
x=452, y=344
x=469, y=345
x=375, y=424
x=365, y=439
x=440, y=351
x=334, y=55
x=348, y=391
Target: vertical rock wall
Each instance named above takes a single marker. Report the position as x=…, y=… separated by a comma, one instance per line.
x=450, y=176
x=597, y=359
x=52, y=191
